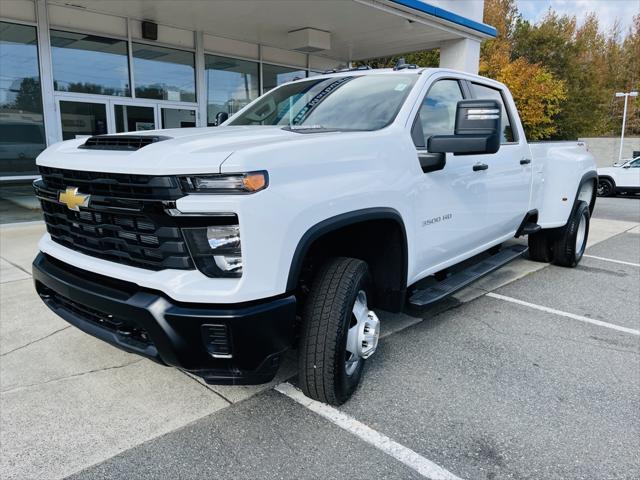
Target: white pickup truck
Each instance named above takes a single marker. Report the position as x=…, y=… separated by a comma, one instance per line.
x=215, y=250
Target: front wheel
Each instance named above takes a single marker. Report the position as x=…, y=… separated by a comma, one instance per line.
x=339, y=331
x=572, y=240
x=605, y=187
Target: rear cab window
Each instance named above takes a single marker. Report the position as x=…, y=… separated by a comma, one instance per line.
x=483, y=92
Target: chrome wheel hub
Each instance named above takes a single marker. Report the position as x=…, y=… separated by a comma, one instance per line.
x=363, y=334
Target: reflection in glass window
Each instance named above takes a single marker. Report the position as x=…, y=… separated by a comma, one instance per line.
x=438, y=111
x=81, y=119
x=164, y=73
x=133, y=118
x=334, y=103
x=89, y=64
x=178, y=117
x=483, y=92
x=274, y=75
x=21, y=122
x=231, y=84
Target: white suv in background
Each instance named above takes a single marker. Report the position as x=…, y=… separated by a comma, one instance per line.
x=618, y=179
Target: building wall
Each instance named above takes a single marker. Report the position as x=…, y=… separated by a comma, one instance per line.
x=606, y=149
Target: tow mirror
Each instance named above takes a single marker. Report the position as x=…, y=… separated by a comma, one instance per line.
x=221, y=117
x=477, y=130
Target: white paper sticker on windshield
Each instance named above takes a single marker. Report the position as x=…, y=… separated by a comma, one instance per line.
x=400, y=87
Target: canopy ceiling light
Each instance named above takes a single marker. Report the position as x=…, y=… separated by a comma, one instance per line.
x=309, y=40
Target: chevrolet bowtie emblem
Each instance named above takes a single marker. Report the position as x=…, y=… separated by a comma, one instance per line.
x=72, y=199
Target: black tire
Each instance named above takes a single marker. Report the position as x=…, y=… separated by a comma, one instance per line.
x=326, y=317
x=540, y=246
x=569, y=246
x=606, y=187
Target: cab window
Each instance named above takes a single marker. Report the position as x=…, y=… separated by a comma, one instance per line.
x=437, y=115
x=482, y=92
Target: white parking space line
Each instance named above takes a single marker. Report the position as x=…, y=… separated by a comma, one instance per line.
x=612, y=260
x=405, y=455
x=564, y=314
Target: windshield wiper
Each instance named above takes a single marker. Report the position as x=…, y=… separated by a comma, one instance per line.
x=310, y=129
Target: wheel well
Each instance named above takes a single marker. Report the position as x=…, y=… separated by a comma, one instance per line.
x=607, y=177
x=588, y=180
x=593, y=194
x=381, y=242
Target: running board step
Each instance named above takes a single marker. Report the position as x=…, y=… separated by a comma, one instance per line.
x=459, y=280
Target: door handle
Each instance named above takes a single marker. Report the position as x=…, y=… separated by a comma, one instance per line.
x=525, y=161
x=480, y=166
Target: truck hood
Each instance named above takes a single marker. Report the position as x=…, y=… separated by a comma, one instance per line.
x=187, y=151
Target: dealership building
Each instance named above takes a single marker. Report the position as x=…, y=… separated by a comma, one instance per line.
x=73, y=68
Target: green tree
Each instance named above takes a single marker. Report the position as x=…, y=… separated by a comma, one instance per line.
x=536, y=91
x=423, y=58
x=592, y=64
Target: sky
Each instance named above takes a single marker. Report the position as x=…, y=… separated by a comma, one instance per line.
x=607, y=11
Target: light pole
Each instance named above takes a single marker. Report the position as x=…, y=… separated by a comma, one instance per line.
x=624, y=117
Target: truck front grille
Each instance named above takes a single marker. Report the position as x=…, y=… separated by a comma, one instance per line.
x=116, y=185
x=126, y=229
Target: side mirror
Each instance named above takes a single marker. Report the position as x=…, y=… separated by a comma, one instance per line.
x=627, y=166
x=477, y=130
x=221, y=117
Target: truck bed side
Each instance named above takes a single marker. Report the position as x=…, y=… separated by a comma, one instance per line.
x=561, y=172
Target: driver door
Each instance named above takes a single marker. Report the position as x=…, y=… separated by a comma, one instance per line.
x=453, y=199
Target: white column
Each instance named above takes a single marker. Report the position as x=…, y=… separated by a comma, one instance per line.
x=463, y=54
x=49, y=109
x=201, y=84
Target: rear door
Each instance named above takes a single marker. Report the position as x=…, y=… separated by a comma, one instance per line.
x=451, y=201
x=509, y=173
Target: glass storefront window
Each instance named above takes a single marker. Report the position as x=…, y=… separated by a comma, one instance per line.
x=164, y=73
x=133, y=118
x=89, y=64
x=274, y=75
x=22, y=135
x=231, y=84
x=21, y=122
x=178, y=117
x=81, y=119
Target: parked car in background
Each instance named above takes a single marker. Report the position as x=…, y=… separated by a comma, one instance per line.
x=621, y=178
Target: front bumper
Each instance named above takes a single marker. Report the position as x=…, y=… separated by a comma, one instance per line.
x=253, y=335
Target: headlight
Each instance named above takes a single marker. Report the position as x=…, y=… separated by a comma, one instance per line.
x=216, y=250
x=250, y=182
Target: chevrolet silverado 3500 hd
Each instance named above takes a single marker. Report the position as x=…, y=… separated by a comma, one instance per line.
x=214, y=250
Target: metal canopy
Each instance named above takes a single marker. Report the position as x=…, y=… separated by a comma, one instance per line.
x=360, y=29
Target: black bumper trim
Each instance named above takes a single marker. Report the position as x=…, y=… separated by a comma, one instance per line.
x=259, y=332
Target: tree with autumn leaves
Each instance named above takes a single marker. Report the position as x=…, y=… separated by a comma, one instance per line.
x=562, y=75
x=537, y=92
x=573, y=71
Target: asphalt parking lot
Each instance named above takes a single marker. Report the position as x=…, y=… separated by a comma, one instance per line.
x=532, y=373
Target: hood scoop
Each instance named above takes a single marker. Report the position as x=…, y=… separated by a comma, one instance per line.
x=121, y=142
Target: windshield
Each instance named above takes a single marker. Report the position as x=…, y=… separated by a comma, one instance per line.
x=367, y=102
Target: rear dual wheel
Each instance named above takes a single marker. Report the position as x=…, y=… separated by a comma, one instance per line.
x=339, y=331
x=570, y=244
x=564, y=246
